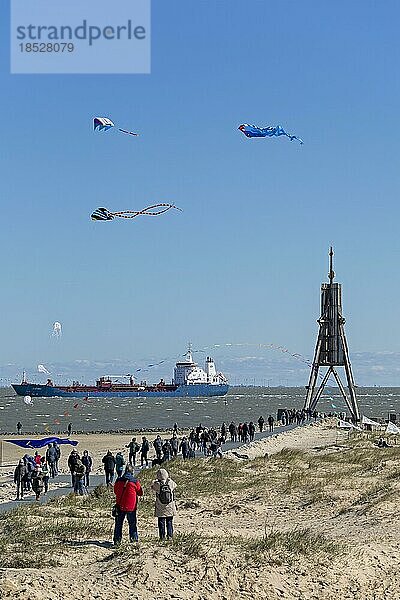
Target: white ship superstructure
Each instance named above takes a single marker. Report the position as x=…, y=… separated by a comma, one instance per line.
x=189, y=373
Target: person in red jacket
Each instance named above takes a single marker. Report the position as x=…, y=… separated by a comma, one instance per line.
x=127, y=489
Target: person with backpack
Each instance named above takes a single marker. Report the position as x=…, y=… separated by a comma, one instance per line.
x=127, y=489
x=109, y=467
x=87, y=463
x=144, y=451
x=37, y=482
x=215, y=448
x=133, y=450
x=165, y=507
x=119, y=463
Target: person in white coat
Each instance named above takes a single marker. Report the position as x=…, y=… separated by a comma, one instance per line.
x=165, y=507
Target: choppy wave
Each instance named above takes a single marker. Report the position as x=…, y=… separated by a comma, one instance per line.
x=244, y=404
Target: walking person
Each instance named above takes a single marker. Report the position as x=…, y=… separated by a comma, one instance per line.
x=72, y=459
x=51, y=458
x=133, y=450
x=192, y=438
x=37, y=482
x=252, y=431
x=144, y=451
x=174, y=443
x=79, y=476
x=109, y=467
x=88, y=464
x=165, y=507
x=19, y=478
x=232, y=431
x=69, y=429
x=261, y=423
x=127, y=489
x=215, y=448
x=27, y=478
x=271, y=423
x=46, y=474
x=167, y=451
x=119, y=463
x=58, y=451
x=184, y=448
x=19, y=428
x=224, y=430
x=158, y=444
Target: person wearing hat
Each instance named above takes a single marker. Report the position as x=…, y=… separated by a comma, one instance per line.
x=127, y=489
x=165, y=507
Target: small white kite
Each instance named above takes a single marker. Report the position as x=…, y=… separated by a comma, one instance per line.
x=57, y=330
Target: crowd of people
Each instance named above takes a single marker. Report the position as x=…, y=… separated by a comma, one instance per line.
x=34, y=472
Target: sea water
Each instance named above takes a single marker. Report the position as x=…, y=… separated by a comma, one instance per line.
x=52, y=415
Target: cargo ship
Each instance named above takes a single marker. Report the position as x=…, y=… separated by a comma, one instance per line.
x=189, y=380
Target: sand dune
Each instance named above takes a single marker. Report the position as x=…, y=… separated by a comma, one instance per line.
x=315, y=520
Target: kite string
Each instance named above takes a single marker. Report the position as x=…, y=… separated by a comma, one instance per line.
x=131, y=214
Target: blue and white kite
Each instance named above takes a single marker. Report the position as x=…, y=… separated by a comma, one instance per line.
x=104, y=124
x=253, y=131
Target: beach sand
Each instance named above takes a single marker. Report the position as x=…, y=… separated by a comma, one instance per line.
x=317, y=519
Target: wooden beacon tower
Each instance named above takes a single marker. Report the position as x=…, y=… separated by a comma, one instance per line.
x=331, y=350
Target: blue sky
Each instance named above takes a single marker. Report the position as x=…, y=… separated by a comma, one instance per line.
x=244, y=261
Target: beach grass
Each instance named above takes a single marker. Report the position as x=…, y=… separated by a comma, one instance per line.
x=355, y=478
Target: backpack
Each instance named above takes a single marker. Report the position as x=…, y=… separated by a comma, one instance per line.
x=80, y=470
x=165, y=494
